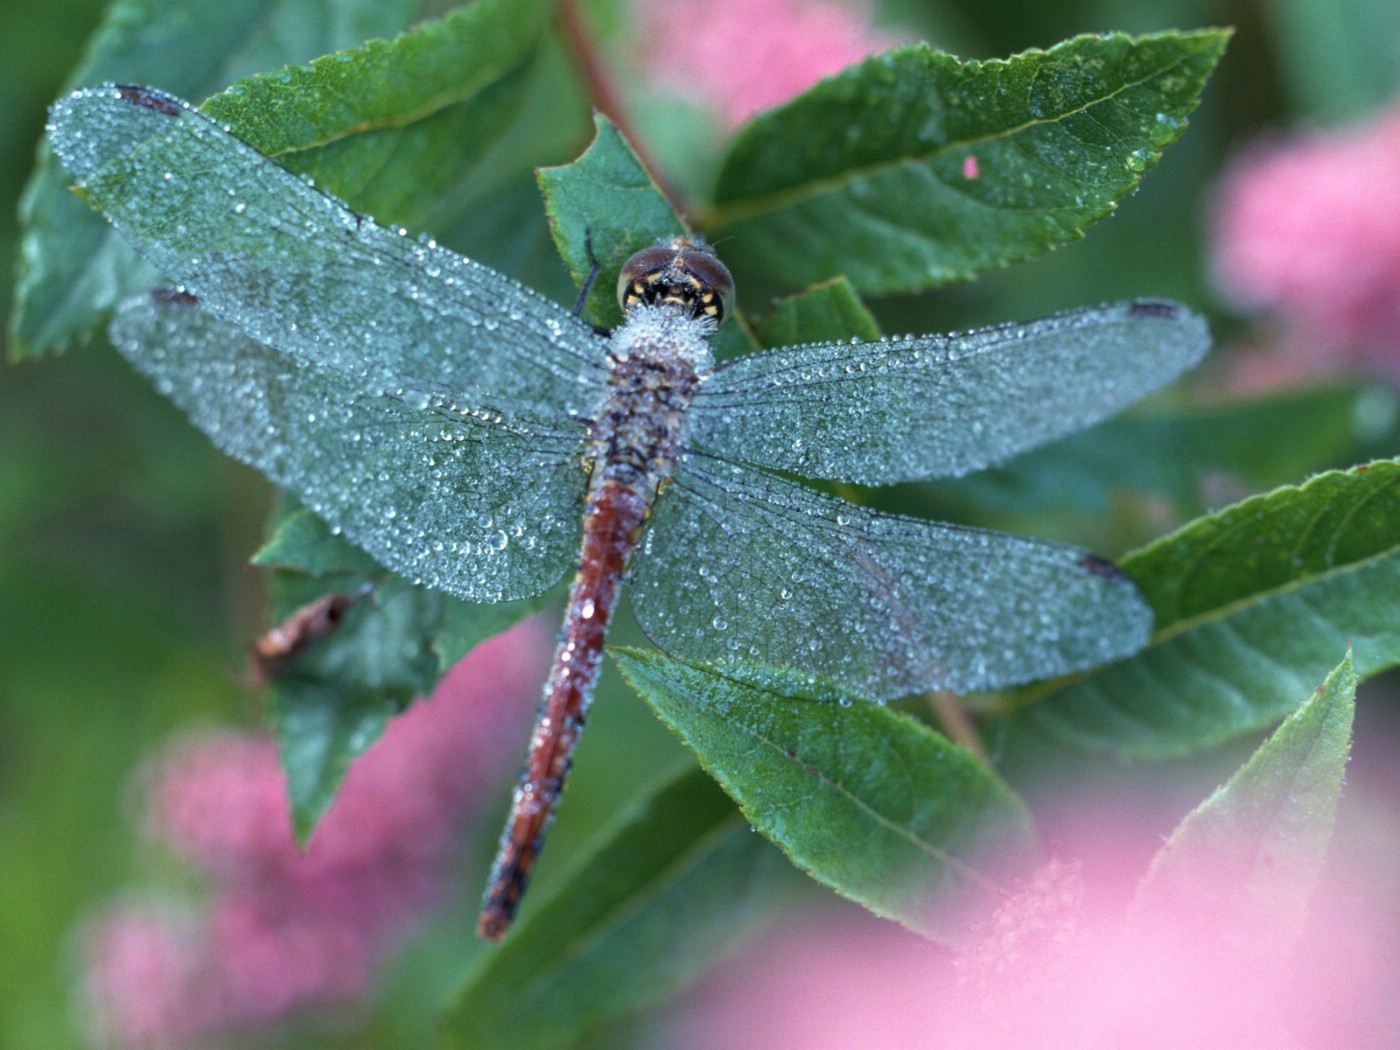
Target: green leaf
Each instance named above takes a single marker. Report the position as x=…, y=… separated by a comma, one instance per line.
x=72, y=264
x=680, y=867
x=393, y=645
x=1253, y=604
x=433, y=127
x=385, y=83
x=488, y=205
x=459, y=171
x=829, y=312
x=1252, y=852
x=320, y=728
x=337, y=699
x=299, y=540
x=605, y=199
x=913, y=169
x=869, y=802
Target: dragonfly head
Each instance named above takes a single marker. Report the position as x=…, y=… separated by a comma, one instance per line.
x=683, y=273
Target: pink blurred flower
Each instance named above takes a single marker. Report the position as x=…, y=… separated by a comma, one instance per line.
x=143, y=970
x=1064, y=965
x=284, y=930
x=742, y=56
x=1308, y=227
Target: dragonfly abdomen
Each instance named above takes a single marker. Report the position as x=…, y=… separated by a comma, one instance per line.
x=612, y=522
x=656, y=370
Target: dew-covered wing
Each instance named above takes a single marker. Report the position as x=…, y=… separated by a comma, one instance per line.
x=296, y=269
x=480, y=503
x=934, y=406
x=744, y=568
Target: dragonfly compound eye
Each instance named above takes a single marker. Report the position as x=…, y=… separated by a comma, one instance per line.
x=683, y=273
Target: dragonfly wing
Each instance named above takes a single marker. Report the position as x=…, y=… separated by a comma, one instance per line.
x=746, y=568
x=296, y=269
x=933, y=406
x=478, y=504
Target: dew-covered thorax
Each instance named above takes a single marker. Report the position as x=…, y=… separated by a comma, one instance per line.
x=663, y=334
x=658, y=360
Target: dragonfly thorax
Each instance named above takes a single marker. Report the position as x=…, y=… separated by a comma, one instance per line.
x=683, y=275
x=658, y=362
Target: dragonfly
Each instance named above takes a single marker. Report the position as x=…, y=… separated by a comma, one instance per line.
x=476, y=437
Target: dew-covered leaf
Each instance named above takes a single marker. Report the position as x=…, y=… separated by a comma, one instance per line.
x=1252, y=852
x=827, y=312
x=1253, y=604
x=72, y=265
x=913, y=168
x=384, y=83
x=680, y=866
x=867, y=801
x=432, y=129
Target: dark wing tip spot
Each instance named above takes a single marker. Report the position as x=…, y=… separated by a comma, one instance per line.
x=1104, y=569
x=1154, y=308
x=149, y=98
x=173, y=297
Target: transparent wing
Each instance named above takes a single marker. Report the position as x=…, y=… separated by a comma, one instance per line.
x=296, y=269
x=742, y=567
x=478, y=504
x=931, y=406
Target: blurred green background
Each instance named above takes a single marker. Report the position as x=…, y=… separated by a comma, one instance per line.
x=124, y=597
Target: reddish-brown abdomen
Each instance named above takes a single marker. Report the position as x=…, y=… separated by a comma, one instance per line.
x=612, y=522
